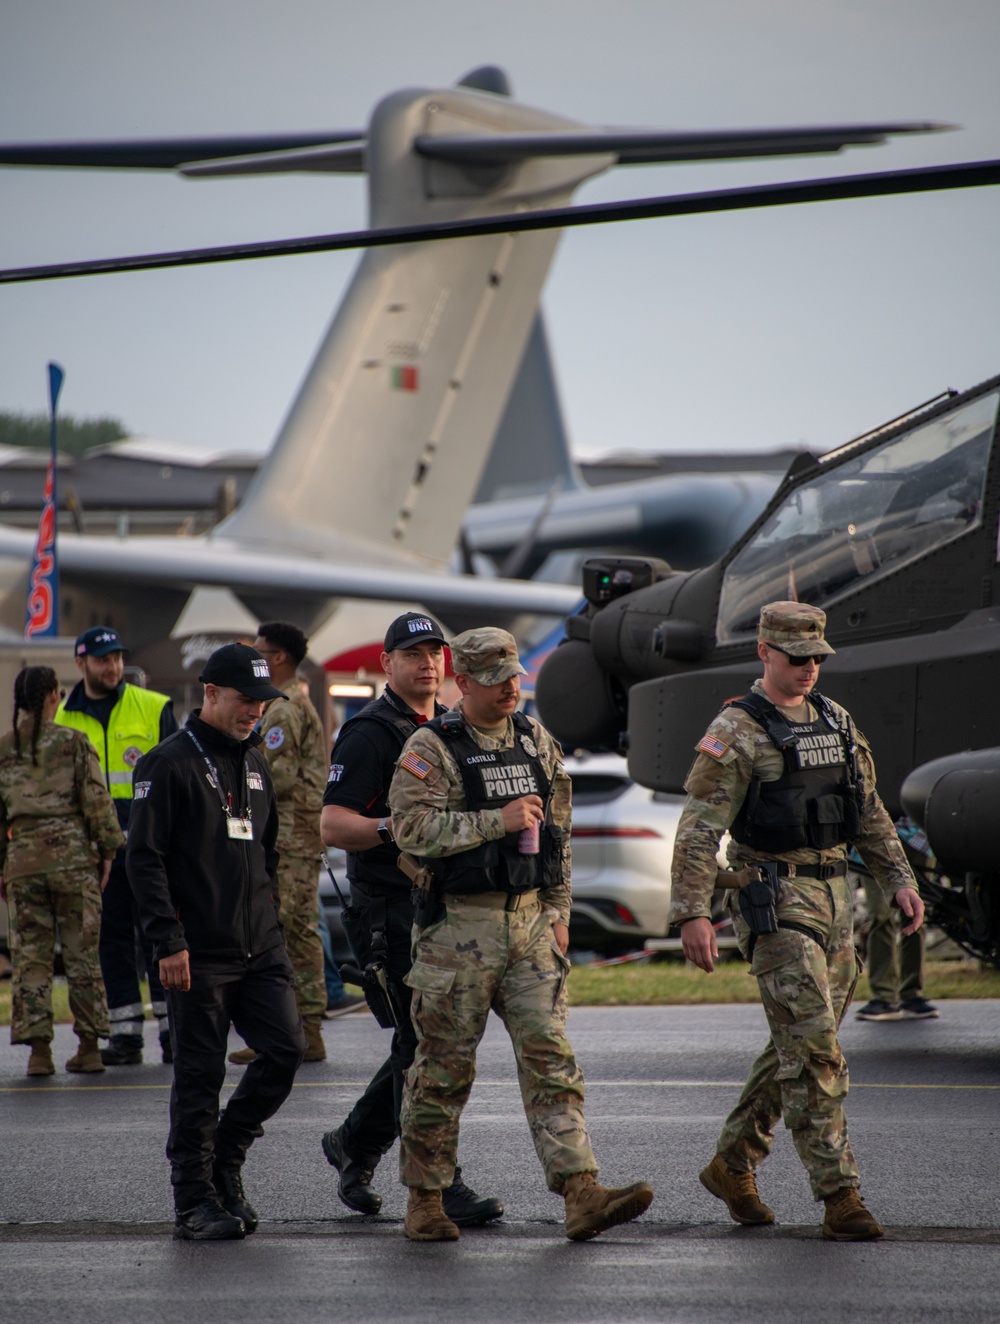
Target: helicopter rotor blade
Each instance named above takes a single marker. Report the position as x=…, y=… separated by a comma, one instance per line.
x=972, y=174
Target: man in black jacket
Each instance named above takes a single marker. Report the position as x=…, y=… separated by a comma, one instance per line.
x=356, y=818
x=201, y=860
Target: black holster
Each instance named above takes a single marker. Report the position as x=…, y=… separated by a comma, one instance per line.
x=757, y=899
x=373, y=980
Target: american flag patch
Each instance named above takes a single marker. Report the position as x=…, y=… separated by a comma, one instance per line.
x=712, y=745
x=415, y=764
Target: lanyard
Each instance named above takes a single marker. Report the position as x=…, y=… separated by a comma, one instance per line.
x=215, y=780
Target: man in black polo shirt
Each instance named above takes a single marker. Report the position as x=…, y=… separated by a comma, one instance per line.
x=356, y=819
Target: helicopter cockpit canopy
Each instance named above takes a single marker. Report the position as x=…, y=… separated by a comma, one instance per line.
x=863, y=517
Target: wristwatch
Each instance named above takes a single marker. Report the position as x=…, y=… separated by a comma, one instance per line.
x=385, y=832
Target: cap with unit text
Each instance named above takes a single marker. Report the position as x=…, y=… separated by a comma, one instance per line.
x=240, y=667
x=487, y=656
x=794, y=628
x=98, y=641
x=413, y=627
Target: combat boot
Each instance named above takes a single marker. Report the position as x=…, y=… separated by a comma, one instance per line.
x=208, y=1221
x=166, y=1048
x=847, y=1219
x=467, y=1209
x=315, y=1047
x=425, y=1218
x=738, y=1190
x=228, y=1183
x=40, y=1062
x=355, y=1185
x=592, y=1208
x=86, y=1058
x=123, y=1050
x=242, y=1057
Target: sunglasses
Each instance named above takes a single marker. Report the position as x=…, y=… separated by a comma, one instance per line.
x=800, y=661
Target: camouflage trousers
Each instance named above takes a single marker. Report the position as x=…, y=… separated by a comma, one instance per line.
x=801, y=1074
x=298, y=911
x=895, y=963
x=71, y=900
x=475, y=959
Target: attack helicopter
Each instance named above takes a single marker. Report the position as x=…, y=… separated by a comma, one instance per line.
x=895, y=536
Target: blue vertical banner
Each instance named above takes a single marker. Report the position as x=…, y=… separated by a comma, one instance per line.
x=42, y=617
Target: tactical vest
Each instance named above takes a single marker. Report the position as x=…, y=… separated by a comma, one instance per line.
x=492, y=778
x=376, y=867
x=133, y=729
x=816, y=803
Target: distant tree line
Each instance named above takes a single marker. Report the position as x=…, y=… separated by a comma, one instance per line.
x=76, y=435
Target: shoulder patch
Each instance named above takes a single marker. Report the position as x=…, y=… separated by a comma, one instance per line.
x=141, y=790
x=712, y=745
x=275, y=738
x=415, y=764
x=336, y=772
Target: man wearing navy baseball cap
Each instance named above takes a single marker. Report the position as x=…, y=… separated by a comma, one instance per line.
x=123, y=722
x=202, y=862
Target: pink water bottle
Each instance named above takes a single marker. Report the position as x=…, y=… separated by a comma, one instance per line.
x=527, y=839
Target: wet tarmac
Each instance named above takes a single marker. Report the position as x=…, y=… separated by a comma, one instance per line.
x=85, y=1210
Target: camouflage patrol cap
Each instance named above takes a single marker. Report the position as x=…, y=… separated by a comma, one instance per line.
x=793, y=627
x=488, y=656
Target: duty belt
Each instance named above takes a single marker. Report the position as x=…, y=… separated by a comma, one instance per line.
x=496, y=900
x=835, y=870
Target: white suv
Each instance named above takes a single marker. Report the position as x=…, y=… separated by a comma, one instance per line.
x=623, y=840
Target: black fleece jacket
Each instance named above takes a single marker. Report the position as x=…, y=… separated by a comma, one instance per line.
x=196, y=887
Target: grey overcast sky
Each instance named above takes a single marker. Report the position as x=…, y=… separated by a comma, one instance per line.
x=798, y=326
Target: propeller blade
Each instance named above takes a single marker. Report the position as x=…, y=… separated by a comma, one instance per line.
x=643, y=146
x=162, y=153
x=972, y=174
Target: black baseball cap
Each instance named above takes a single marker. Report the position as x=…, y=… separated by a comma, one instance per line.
x=240, y=667
x=412, y=628
x=99, y=641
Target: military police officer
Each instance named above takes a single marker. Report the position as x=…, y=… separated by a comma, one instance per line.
x=480, y=797
x=789, y=775
x=379, y=919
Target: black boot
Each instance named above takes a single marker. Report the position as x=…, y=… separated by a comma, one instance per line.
x=208, y=1221
x=123, y=1050
x=354, y=1186
x=165, y=1048
x=467, y=1209
x=233, y=1198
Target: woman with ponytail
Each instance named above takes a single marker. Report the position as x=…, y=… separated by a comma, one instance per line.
x=58, y=835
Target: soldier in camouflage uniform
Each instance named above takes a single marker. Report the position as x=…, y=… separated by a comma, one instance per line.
x=297, y=755
x=492, y=934
x=789, y=776
x=58, y=835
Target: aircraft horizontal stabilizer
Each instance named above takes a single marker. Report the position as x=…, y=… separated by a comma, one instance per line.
x=645, y=146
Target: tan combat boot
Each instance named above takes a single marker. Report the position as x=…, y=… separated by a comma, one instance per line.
x=40, y=1062
x=86, y=1058
x=592, y=1208
x=315, y=1047
x=738, y=1190
x=242, y=1057
x=847, y=1219
x=426, y=1219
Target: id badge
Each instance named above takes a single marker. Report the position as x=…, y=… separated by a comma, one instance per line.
x=240, y=829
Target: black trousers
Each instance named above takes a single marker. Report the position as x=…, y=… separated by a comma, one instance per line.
x=373, y=1123
x=119, y=926
x=256, y=997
